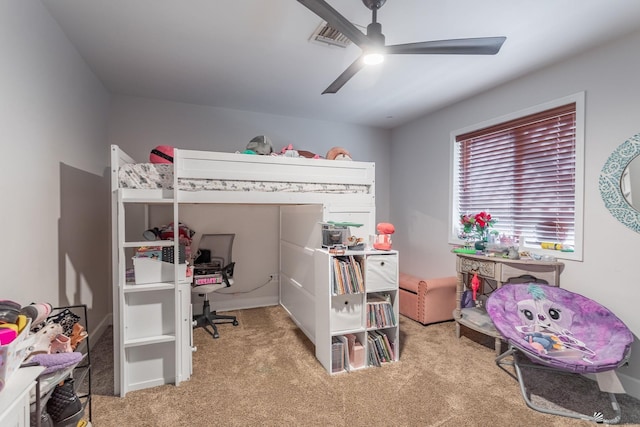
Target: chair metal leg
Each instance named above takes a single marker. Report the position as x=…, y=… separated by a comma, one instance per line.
x=210, y=318
x=597, y=417
x=216, y=316
x=215, y=333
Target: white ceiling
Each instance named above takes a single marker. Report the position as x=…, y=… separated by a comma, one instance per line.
x=255, y=55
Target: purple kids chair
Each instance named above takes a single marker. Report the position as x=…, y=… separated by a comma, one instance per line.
x=560, y=330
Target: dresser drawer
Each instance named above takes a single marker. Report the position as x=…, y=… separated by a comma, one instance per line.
x=487, y=269
x=381, y=272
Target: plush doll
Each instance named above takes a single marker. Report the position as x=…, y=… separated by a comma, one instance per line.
x=161, y=154
x=308, y=154
x=383, y=238
x=338, y=153
x=260, y=145
x=288, y=151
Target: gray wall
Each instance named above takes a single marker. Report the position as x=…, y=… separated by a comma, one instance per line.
x=55, y=210
x=421, y=156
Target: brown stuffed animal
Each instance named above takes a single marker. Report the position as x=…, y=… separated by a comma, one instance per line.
x=338, y=153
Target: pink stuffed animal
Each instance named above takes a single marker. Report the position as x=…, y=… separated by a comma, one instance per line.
x=383, y=238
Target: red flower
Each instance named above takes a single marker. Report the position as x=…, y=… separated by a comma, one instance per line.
x=482, y=219
x=476, y=224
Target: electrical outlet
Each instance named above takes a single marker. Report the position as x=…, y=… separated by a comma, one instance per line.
x=274, y=276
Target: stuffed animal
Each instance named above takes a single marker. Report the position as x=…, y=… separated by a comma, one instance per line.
x=308, y=154
x=161, y=154
x=338, y=153
x=260, y=145
x=383, y=238
x=288, y=151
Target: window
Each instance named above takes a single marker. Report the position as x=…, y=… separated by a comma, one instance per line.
x=526, y=171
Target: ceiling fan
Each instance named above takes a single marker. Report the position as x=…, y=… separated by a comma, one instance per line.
x=373, y=43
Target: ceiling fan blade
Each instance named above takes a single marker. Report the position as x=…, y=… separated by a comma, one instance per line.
x=336, y=21
x=476, y=46
x=345, y=76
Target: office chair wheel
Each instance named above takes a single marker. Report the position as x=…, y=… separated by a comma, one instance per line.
x=235, y=323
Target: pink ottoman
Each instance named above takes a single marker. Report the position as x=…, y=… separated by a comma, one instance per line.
x=427, y=301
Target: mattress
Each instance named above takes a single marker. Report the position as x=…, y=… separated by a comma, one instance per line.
x=154, y=176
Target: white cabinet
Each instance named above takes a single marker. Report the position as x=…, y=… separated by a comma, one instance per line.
x=14, y=398
x=152, y=321
x=356, y=309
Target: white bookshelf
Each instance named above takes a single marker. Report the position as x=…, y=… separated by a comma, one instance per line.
x=342, y=311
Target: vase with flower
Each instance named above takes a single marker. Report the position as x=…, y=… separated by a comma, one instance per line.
x=477, y=227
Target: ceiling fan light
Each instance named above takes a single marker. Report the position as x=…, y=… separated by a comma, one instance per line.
x=373, y=58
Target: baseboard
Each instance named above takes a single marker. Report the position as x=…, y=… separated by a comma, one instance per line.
x=631, y=385
x=97, y=331
x=231, y=305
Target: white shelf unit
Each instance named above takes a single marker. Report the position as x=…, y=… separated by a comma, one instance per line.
x=343, y=315
x=152, y=321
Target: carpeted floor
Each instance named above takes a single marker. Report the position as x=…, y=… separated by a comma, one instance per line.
x=264, y=373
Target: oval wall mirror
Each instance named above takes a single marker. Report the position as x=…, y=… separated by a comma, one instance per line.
x=619, y=182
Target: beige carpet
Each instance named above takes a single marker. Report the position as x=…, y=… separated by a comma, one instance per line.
x=264, y=373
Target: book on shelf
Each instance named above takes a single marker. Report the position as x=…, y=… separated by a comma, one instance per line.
x=340, y=354
x=380, y=311
x=347, y=276
x=380, y=346
x=337, y=356
x=373, y=358
x=345, y=352
x=357, y=269
x=351, y=341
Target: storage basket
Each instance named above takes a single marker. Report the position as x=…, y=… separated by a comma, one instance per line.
x=13, y=354
x=149, y=270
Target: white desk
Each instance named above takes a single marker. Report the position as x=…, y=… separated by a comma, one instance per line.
x=499, y=270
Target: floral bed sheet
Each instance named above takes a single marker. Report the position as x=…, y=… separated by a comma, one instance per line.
x=154, y=176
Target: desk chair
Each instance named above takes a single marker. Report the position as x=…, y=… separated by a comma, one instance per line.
x=214, y=261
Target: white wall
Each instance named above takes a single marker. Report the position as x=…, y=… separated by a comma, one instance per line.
x=420, y=160
x=55, y=208
x=137, y=125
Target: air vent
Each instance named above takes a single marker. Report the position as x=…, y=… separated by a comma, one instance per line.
x=327, y=35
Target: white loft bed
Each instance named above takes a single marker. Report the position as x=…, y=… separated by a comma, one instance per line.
x=309, y=191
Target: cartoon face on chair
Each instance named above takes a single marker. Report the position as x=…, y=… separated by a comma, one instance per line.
x=545, y=315
x=546, y=326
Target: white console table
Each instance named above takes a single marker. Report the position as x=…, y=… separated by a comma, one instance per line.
x=499, y=270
